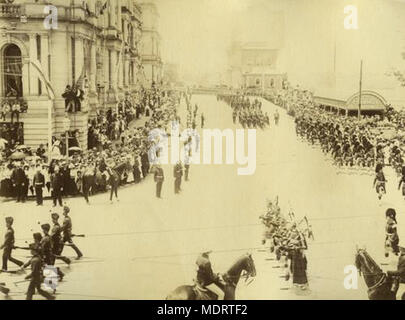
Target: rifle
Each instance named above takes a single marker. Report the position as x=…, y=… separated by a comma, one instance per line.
x=78, y=235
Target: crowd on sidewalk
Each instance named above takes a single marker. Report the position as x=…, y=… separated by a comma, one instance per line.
x=117, y=154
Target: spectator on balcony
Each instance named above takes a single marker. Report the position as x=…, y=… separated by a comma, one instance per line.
x=5, y=109
x=68, y=95
x=41, y=151
x=15, y=110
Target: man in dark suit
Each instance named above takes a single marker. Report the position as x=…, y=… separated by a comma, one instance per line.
x=114, y=181
x=56, y=186
x=19, y=180
x=39, y=184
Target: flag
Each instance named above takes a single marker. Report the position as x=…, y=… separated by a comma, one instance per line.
x=37, y=65
x=104, y=7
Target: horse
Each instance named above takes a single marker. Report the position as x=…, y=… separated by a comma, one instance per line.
x=380, y=285
x=231, y=279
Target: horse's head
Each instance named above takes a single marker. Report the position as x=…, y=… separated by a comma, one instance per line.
x=244, y=264
x=368, y=267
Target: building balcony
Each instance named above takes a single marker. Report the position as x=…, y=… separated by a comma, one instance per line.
x=10, y=10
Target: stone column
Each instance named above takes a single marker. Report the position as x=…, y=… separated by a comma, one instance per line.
x=93, y=67
x=44, y=60
x=113, y=10
x=33, y=83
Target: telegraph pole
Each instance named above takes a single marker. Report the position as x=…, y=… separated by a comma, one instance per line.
x=360, y=90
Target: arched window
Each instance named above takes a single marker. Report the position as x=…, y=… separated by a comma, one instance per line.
x=12, y=71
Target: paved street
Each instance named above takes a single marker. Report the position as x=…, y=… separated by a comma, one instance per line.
x=142, y=248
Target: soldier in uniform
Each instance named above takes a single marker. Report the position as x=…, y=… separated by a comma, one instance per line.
x=8, y=245
x=46, y=249
x=67, y=232
x=178, y=174
x=159, y=178
x=56, y=239
x=206, y=278
x=392, y=239
x=400, y=272
x=36, y=275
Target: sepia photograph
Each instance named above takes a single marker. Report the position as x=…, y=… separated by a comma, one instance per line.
x=210, y=150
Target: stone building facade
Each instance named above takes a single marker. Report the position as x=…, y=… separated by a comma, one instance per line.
x=150, y=43
x=254, y=65
x=94, y=45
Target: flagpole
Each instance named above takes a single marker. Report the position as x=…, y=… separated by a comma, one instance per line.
x=360, y=89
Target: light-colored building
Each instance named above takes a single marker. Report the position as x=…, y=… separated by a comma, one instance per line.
x=254, y=65
x=150, y=43
x=95, y=46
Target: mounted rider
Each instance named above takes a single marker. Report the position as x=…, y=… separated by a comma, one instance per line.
x=400, y=272
x=206, y=278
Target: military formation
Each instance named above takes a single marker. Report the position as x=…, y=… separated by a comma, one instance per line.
x=45, y=249
x=247, y=112
x=287, y=239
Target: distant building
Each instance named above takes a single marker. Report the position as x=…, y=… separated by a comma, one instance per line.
x=150, y=43
x=95, y=46
x=170, y=73
x=254, y=65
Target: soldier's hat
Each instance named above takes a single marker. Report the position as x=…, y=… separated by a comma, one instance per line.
x=390, y=213
x=46, y=227
x=37, y=236
x=55, y=216
x=9, y=219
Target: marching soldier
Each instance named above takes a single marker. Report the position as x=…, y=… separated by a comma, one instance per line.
x=391, y=233
x=8, y=245
x=56, y=239
x=46, y=249
x=178, y=174
x=36, y=275
x=159, y=178
x=400, y=272
x=67, y=232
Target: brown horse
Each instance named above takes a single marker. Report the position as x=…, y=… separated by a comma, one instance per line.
x=231, y=279
x=380, y=286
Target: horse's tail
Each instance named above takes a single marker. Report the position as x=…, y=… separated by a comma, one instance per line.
x=182, y=293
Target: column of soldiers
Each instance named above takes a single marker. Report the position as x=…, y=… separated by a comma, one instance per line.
x=45, y=250
x=288, y=240
x=248, y=113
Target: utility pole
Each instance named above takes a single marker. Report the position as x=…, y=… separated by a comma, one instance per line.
x=360, y=91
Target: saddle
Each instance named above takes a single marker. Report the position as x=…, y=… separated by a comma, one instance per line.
x=202, y=293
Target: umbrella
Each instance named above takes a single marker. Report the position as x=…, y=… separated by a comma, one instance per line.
x=75, y=149
x=33, y=158
x=58, y=157
x=17, y=156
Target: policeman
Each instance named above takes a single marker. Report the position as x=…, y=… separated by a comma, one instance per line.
x=56, y=239
x=159, y=178
x=178, y=174
x=67, y=232
x=8, y=245
x=206, y=277
x=39, y=184
x=36, y=275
